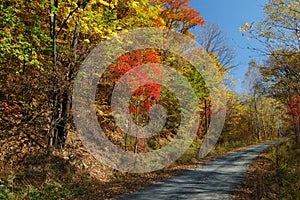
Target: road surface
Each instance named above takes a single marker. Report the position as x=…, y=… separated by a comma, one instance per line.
x=216, y=179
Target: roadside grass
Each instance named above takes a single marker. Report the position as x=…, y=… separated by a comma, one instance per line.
x=274, y=175
x=49, y=180
x=51, y=191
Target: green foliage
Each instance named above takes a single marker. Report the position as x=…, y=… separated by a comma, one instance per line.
x=22, y=37
x=51, y=190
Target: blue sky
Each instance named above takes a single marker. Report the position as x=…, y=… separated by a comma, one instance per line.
x=231, y=15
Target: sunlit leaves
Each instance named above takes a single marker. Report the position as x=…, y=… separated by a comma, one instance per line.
x=22, y=36
x=246, y=27
x=279, y=28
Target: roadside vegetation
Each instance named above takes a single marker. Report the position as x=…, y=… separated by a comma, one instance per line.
x=274, y=175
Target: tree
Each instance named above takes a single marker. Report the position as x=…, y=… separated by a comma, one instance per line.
x=236, y=127
x=253, y=81
x=281, y=74
x=42, y=49
x=43, y=44
x=279, y=33
x=211, y=37
x=281, y=71
x=179, y=15
x=279, y=29
x=143, y=98
x=294, y=115
x=81, y=24
x=87, y=22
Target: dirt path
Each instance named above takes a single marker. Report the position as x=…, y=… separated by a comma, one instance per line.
x=216, y=179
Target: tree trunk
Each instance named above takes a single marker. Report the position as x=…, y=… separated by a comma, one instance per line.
x=297, y=131
x=62, y=85
x=53, y=136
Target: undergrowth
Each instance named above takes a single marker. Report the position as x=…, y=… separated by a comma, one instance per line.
x=274, y=175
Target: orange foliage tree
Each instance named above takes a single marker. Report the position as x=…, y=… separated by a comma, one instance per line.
x=179, y=15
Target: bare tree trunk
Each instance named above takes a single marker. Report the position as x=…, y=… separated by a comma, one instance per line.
x=278, y=127
x=256, y=118
x=52, y=136
x=62, y=83
x=297, y=131
x=206, y=119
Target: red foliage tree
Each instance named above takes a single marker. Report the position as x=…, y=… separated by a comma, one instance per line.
x=294, y=113
x=295, y=109
x=150, y=93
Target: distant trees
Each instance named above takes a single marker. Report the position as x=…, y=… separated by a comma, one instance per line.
x=254, y=85
x=250, y=119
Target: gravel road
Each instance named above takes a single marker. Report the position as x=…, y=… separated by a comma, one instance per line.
x=216, y=179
